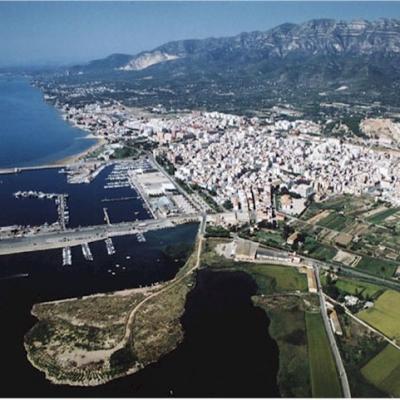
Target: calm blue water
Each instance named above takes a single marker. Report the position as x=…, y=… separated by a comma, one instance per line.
x=31, y=131
x=84, y=202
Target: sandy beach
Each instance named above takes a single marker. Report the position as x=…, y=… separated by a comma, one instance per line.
x=79, y=156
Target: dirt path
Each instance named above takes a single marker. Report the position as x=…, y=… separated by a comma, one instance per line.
x=173, y=283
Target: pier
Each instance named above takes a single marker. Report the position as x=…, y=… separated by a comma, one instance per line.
x=106, y=216
x=107, y=200
x=67, y=256
x=86, y=252
x=17, y=170
x=110, y=246
x=69, y=237
x=62, y=210
x=140, y=237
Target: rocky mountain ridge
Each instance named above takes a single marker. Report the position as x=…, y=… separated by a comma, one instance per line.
x=323, y=37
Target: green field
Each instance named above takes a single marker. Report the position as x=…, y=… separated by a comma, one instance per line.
x=318, y=250
x=378, y=267
x=383, y=371
x=335, y=221
x=324, y=378
x=385, y=314
x=274, y=278
x=380, y=217
x=270, y=238
x=358, y=288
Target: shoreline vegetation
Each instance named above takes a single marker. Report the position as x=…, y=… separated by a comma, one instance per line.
x=75, y=344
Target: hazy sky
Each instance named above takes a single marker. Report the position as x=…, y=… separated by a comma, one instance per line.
x=66, y=32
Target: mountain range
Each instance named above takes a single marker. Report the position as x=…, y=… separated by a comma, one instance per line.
x=323, y=37
x=319, y=55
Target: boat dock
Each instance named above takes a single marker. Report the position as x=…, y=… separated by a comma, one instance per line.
x=66, y=256
x=106, y=216
x=62, y=210
x=140, y=237
x=86, y=252
x=119, y=199
x=110, y=246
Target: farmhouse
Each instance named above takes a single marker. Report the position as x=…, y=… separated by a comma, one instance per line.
x=312, y=281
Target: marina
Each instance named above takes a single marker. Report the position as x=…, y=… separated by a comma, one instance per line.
x=80, y=205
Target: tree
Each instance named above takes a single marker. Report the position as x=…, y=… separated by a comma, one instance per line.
x=287, y=230
x=227, y=204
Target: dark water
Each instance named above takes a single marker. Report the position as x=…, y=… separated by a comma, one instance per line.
x=226, y=351
x=48, y=280
x=31, y=131
x=84, y=202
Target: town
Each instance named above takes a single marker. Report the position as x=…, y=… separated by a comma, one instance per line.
x=241, y=162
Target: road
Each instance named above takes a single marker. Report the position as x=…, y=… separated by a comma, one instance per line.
x=352, y=272
x=77, y=236
x=332, y=341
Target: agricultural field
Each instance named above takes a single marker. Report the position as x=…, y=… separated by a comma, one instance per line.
x=350, y=205
x=354, y=287
x=324, y=377
x=357, y=288
x=385, y=314
x=380, y=217
x=335, y=221
x=271, y=238
x=383, y=371
x=358, y=346
x=318, y=250
x=379, y=267
x=364, y=225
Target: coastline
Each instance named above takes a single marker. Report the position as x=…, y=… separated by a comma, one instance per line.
x=82, y=154
x=73, y=158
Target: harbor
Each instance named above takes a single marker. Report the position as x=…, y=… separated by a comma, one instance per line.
x=80, y=204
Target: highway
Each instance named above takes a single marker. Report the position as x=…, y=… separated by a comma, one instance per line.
x=77, y=236
x=332, y=341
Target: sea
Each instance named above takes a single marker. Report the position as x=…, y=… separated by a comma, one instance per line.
x=32, y=132
x=226, y=350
